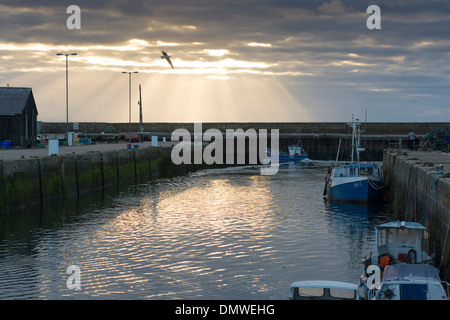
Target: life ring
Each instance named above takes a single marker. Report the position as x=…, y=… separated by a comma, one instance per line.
x=411, y=256
x=401, y=257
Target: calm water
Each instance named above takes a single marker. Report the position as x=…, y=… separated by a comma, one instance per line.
x=215, y=234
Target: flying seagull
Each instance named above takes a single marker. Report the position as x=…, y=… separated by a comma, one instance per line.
x=167, y=57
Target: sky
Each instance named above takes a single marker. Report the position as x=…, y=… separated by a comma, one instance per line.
x=234, y=60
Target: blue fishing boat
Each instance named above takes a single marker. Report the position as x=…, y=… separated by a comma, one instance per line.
x=295, y=153
x=357, y=181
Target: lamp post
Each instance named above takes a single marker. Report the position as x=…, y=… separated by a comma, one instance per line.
x=129, y=104
x=67, y=91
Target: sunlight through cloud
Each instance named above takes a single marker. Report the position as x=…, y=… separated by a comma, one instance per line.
x=256, y=44
x=217, y=52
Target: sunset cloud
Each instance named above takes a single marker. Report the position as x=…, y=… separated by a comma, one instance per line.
x=321, y=52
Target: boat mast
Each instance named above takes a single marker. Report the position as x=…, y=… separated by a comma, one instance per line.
x=337, y=155
x=141, y=127
x=353, y=136
x=358, y=139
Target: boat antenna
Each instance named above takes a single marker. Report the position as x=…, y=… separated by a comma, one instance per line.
x=141, y=125
x=365, y=121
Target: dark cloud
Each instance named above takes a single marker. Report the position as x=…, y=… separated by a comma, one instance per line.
x=322, y=45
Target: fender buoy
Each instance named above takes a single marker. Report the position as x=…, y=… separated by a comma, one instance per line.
x=411, y=256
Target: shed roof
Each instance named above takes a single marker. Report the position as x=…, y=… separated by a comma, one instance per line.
x=13, y=100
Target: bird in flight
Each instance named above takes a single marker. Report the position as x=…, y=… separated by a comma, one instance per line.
x=167, y=57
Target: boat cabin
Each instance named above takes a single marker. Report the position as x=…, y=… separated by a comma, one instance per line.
x=323, y=290
x=295, y=150
x=410, y=282
x=352, y=170
x=398, y=242
x=401, y=241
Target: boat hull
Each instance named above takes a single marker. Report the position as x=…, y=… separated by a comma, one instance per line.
x=356, y=189
x=288, y=158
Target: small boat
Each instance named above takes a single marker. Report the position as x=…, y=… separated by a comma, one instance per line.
x=410, y=282
x=357, y=181
x=399, y=268
x=295, y=153
x=395, y=242
x=323, y=290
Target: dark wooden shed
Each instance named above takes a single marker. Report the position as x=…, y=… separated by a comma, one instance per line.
x=18, y=116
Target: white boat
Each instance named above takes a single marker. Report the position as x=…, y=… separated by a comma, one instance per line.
x=323, y=290
x=357, y=181
x=410, y=282
x=398, y=268
x=395, y=242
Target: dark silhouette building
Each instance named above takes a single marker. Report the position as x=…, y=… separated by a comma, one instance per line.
x=18, y=117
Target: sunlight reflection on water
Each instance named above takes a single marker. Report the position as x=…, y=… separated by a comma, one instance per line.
x=215, y=234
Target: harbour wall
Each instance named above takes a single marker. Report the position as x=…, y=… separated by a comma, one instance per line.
x=419, y=190
x=38, y=180
x=371, y=128
x=321, y=140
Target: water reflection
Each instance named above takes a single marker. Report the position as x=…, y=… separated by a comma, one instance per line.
x=354, y=225
x=216, y=234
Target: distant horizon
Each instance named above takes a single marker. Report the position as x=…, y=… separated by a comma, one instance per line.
x=134, y=122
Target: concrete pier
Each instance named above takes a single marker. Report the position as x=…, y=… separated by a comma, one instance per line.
x=30, y=176
x=419, y=187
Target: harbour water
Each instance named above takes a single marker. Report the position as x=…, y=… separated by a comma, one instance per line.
x=214, y=234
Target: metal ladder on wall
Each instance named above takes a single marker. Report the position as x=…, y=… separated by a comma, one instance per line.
x=394, y=144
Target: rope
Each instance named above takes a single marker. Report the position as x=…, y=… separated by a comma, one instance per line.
x=374, y=186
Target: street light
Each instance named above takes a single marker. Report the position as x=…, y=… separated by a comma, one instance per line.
x=129, y=104
x=67, y=91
